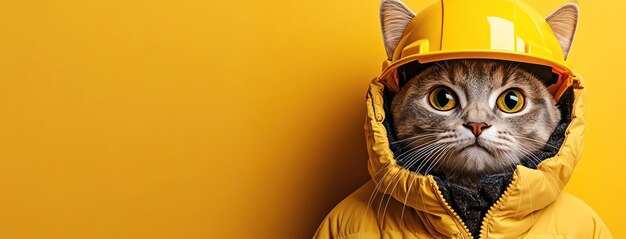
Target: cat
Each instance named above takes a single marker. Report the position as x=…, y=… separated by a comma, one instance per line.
x=475, y=133
x=471, y=145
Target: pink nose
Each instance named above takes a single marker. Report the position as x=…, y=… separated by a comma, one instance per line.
x=476, y=128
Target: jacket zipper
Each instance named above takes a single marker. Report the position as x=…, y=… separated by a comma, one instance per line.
x=466, y=233
x=495, y=206
x=488, y=216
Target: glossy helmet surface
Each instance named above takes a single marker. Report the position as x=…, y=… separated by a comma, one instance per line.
x=490, y=29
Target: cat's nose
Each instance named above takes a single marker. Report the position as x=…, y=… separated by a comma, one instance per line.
x=476, y=128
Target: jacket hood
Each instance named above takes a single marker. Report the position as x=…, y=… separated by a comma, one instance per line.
x=530, y=189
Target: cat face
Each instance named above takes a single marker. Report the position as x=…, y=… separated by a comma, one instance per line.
x=468, y=118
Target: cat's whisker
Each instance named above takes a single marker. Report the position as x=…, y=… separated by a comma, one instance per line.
x=402, y=158
x=434, y=152
x=378, y=184
x=417, y=157
x=425, y=162
x=515, y=160
x=565, y=162
x=391, y=193
x=519, y=204
x=440, y=154
x=412, y=138
x=406, y=197
x=399, y=158
x=415, y=154
x=391, y=181
x=436, y=155
x=537, y=141
x=537, y=162
x=544, y=144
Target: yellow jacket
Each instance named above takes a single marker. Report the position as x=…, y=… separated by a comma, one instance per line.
x=534, y=204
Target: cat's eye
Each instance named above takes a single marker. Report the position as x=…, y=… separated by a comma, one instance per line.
x=442, y=98
x=511, y=101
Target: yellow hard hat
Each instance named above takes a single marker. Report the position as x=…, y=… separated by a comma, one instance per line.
x=492, y=29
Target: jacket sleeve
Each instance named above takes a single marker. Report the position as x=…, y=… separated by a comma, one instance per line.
x=600, y=231
x=323, y=231
x=349, y=220
x=578, y=216
x=330, y=230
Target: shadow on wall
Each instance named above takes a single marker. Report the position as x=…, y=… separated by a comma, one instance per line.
x=343, y=168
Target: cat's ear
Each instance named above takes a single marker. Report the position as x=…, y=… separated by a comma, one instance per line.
x=394, y=17
x=563, y=22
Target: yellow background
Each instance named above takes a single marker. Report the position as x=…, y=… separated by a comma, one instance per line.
x=225, y=119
